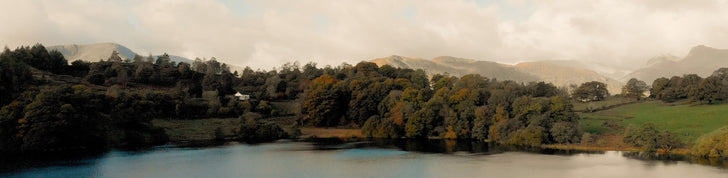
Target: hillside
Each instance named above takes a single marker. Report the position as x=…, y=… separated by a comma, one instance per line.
x=563, y=76
x=98, y=51
x=601, y=69
x=701, y=60
x=688, y=121
x=559, y=75
x=458, y=67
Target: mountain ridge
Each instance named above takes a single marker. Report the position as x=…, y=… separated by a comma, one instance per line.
x=701, y=60
x=101, y=51
x=559, y=75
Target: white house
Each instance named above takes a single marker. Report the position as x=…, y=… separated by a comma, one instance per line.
x=242, y=97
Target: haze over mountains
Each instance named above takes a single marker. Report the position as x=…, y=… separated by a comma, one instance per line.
x=557, y=74
x=701, y=60
x=99, y=51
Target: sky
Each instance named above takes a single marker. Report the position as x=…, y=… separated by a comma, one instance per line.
x=618, y=34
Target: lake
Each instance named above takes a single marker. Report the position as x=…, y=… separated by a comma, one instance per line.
x=333, y=158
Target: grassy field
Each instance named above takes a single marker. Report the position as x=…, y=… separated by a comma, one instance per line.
x=331, y=133
x=596, y=105
x=204, y=129
x=196, y=129
x=688, y=121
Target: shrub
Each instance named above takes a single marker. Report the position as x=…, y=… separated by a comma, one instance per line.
x=379, y=128
x=250, y=129
x=713, y=144
x=650, y=139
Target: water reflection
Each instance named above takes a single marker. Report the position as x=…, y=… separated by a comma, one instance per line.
x=370, y=158
x=436, y=146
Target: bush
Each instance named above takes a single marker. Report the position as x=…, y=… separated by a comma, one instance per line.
x=713, y=144
x=650, y=139
x=218, y=135
x=379, y=128
x=250, y=129
x=531, y=136
x=586, y=139
x=566, y=132
x=96, y=79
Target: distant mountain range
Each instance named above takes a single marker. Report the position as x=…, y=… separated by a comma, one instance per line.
x=701, y=60
x=99, y=51
x=558, y=74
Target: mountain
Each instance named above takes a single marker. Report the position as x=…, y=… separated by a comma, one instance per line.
x=458, y=67
x=603, y=69
x=559, y=75
x=701, y=60
x=99, y=51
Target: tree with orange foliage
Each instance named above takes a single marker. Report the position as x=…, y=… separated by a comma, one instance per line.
x=324, y=102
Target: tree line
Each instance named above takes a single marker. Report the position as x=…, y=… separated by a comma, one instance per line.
x=692, y=87
x=124, y=94
x=112, y=101
x=392, y=103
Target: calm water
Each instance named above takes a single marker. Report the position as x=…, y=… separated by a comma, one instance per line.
x=362, y=159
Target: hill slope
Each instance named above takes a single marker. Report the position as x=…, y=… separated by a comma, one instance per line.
x=701, y=60
x=99, y=51
x=563, y=76
x=688, y=121
x=458, y=67
x=559, y=75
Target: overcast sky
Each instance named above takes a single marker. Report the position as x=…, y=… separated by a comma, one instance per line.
x=618, y=33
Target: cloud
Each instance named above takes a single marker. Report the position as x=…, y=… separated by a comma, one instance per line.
x=615, y=33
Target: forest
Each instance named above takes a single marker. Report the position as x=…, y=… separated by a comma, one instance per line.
x=50, y=106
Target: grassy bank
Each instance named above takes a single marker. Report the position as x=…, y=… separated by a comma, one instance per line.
x=331, y=133
x=204, y=129
x=687, y=121
x=197, y=129
x=607, y=103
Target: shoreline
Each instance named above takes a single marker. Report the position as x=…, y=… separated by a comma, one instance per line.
x=199, y=133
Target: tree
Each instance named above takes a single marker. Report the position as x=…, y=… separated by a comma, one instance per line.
x=566, y=132
x=530, y=136
x=252, y=130
x=482, y=122
x=650, y=139
x=164, y=61
x=64, y=118
x=114, y=57
x=709, y=90
x=634, y=89
x=14, y=77
x=271, y=86
x=689, y=85
x=667, y=141
x=324, y=102
x=498, y=132
x=658, y=87
x=712, y=145
x=645, y=137
x=543, y=89
x=420, y=124
x=378, y=127
x=591, y=91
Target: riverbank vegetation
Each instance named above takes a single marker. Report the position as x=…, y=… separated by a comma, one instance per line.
x=48, y=105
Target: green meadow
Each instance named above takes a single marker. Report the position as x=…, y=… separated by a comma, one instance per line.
x=688, y=121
